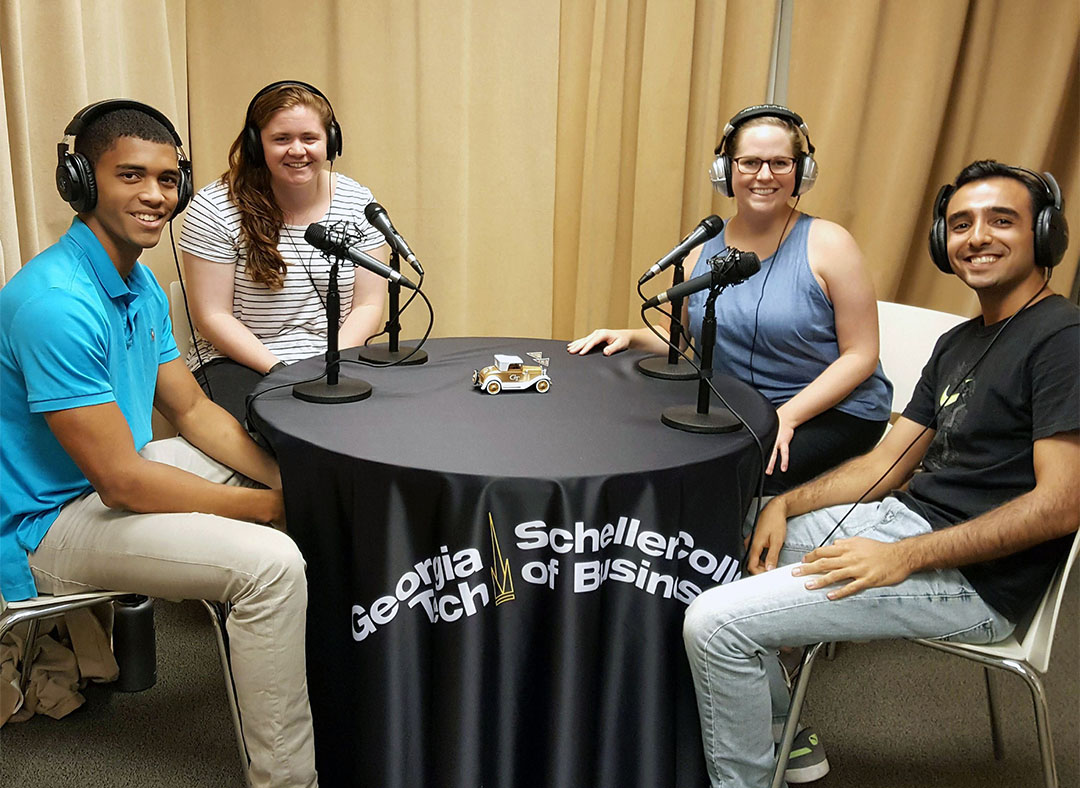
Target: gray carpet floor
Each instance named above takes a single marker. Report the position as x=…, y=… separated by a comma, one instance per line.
x=891, y=715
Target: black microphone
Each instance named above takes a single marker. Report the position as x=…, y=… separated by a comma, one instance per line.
x=338, y=244
x=709, y=227
x=730, y=268
x=378, y=218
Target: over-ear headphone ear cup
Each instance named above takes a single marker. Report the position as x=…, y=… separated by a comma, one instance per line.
x=333, y=140
x=939, y=252
x=1051, y=236
x=75, y=182
x=806, y=172
x=253, y=150
x=90, y=200
x=185, y=189
x=720, y=175
x=67, y=181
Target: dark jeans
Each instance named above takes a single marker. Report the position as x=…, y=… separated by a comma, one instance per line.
x=822, y=443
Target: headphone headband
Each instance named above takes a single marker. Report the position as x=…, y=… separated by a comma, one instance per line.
x=764, y=111
x=87, y=115
x=1049, y=183
x=282, y=83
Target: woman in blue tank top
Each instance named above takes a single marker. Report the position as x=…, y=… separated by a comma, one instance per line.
x=804, y=330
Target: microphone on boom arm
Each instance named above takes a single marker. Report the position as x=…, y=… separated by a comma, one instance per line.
x=709, y=227
x=337, y=243
x=730, y=268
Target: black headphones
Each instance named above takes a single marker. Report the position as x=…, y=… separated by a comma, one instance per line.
x=75, y=174
x=1050, y=227
x=806, y=169
x=253, y=150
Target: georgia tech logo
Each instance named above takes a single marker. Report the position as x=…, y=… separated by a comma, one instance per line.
x=502, y=579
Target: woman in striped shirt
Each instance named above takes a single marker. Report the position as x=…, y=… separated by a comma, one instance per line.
x=257, y=289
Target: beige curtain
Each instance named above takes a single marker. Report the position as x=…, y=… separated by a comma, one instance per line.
x=57, y=57
x=644, y=92
x=539, y=156
x=448, y=113
x=899, y=96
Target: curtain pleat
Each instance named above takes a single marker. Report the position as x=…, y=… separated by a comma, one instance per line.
x=57, y=57
x=540, y=156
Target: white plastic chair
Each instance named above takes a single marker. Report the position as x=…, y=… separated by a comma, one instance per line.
x=1025, y=653
x=908, y=335
x=178, y=314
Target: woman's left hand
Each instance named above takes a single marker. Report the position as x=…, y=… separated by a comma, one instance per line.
x=784, y=433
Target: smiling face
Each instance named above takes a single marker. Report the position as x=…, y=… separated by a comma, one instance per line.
x=294, y=146
x=763, y=190
x=989, y=237
x=137, y=191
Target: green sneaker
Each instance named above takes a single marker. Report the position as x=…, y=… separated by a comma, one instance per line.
x=807, y=762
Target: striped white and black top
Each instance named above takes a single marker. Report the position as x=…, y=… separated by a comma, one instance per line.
x=291, y=322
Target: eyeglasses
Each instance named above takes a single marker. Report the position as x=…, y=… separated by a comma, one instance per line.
x=781, y=165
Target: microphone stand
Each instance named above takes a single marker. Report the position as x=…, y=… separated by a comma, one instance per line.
x=673, y=366
x=332, y=390
x=690, y=418
x=392, y=353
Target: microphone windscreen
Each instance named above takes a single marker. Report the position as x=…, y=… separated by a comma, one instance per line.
x=373, y=209
x=316, y=235
x=713, y=225
x=747, y=265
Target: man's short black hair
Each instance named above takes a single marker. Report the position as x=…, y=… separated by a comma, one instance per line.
x=101, y=134
x=988, y=168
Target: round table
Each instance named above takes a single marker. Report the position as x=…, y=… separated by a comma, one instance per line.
x=497, y=582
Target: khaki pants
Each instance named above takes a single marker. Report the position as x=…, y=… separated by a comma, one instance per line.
x=199, y=556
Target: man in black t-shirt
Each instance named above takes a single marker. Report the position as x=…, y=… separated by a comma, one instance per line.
x=974, y=501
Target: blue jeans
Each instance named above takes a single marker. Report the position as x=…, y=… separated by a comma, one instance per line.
x=732, y=632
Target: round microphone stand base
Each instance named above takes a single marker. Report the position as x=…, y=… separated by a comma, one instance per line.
x=660, y=367
x=321, y=392
x=380, y=354
x=687, y=419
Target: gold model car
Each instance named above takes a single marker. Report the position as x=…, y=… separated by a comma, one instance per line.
x=511, y=373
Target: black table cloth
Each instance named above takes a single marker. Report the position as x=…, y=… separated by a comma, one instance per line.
x=497, y=582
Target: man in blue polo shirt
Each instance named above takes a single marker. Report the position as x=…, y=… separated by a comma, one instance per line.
x=86, y=499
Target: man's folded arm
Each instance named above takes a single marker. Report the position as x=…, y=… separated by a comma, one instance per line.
x=98, y=440
x=209, y=427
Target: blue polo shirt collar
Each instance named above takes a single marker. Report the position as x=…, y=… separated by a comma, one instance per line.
x=102, y=265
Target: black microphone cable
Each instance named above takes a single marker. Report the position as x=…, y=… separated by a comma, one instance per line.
x=401, y=311
x=427, y=333
x=670, y=316
x=757, y=439
x=187, y=311
x=765, y=281
x=419, y=345
x=941, y=407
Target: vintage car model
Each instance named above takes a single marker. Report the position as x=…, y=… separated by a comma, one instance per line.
x=511, y=373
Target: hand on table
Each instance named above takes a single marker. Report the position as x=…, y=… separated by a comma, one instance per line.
x=865, y=563
x=612, y=339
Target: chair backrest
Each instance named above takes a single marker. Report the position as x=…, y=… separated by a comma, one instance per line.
x=908, y=335
x=1039, y=638
x=178, y=314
